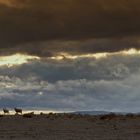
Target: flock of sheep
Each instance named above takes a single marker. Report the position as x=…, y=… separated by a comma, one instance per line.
x=17, y=111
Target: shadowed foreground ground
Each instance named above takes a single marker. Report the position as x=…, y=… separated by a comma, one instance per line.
x=69, y=127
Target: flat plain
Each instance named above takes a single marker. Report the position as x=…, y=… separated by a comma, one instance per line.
x=69, y=127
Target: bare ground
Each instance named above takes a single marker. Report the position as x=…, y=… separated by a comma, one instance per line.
x=43, y=127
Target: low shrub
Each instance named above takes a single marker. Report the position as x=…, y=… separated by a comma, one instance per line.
x=28, y=115
x=108, y=116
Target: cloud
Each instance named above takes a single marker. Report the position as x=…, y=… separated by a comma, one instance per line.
x=49, y=28
x=121, y=95
x=108, y=68
x=94, y=26
x=57, y=47
x=111, y=83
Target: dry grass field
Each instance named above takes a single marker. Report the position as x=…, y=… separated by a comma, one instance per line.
x=69, y=127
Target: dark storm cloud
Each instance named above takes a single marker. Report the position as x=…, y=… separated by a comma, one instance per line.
x=112, y=67
x=27, y=21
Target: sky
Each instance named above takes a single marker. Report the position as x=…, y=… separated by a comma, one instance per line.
x=68, y=55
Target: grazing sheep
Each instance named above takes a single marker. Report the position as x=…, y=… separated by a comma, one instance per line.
x=6, y=111
x=17, y=110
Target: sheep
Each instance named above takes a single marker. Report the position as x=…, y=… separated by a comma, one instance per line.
x=6, y=111
x=17, y=110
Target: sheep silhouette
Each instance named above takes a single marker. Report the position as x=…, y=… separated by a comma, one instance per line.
x=6, y=111
x=17, y=110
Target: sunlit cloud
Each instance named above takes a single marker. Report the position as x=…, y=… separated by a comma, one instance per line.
x=62, y=56
x=12, y=3
x=9, y=3
x=16, y=59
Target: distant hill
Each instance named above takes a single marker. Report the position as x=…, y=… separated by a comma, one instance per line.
x=96, y=112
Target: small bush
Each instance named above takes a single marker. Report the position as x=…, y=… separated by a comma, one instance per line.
x=1, y=115
x=28, y=115
x=108, y=116
x=41, y=113
x=130, y=115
